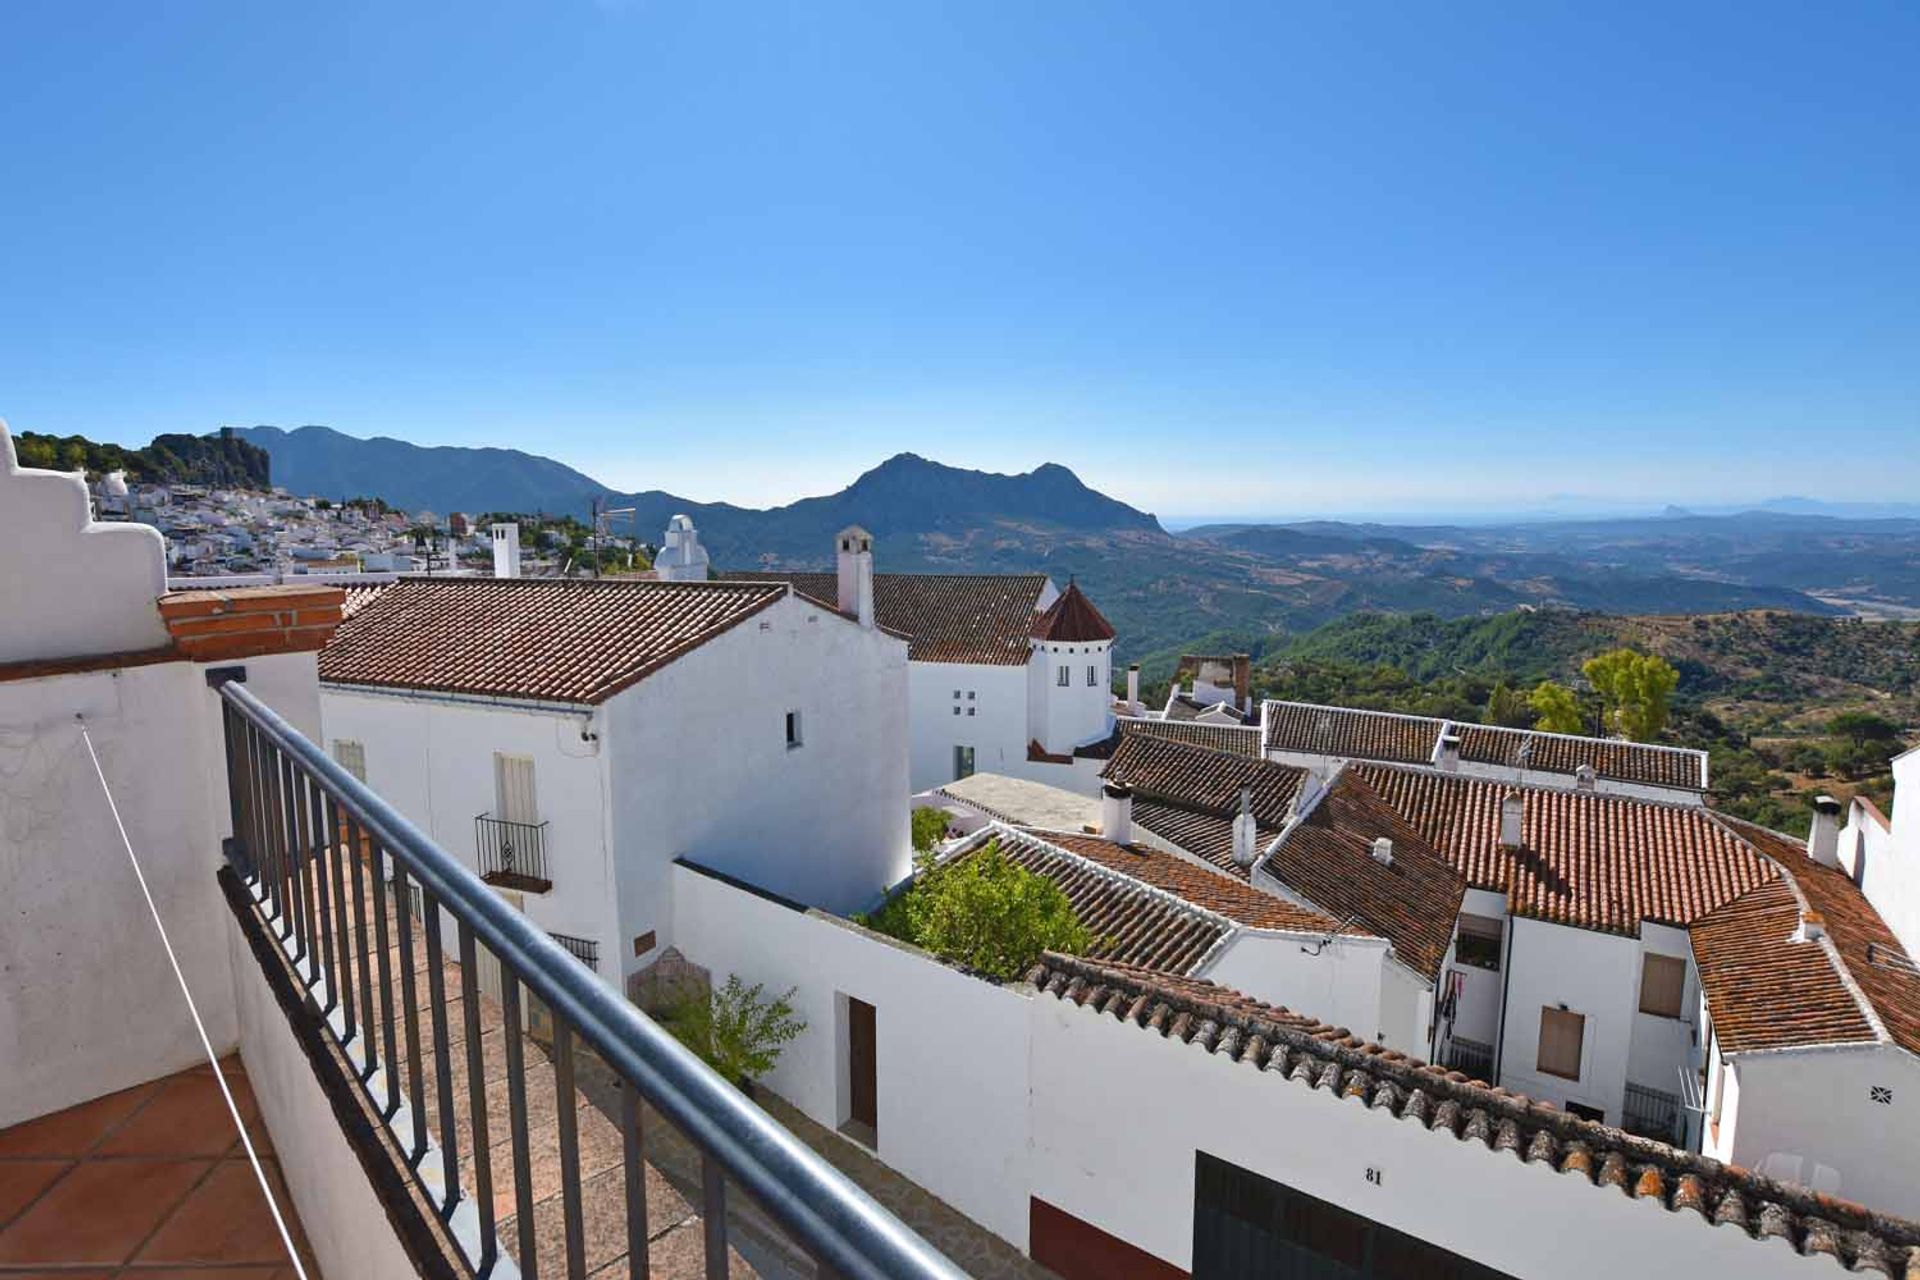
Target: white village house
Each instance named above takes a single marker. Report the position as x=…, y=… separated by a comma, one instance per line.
x=570, y=739
x=1008, y=674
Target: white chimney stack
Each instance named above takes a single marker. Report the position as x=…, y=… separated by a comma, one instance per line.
x=1823, y=843
x=506, y=551
x=1446, y=752
x=1245, y=831
x=1583, y=778
x=1383, y=850
x=1513, y=825
x=681, y=558
x=855, y=565
x=1116, y=813
x=1133, y=687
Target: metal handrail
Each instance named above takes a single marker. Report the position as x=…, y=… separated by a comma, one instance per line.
x=827, y=1214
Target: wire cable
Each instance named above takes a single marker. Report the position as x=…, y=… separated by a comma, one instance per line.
x=273, y=1206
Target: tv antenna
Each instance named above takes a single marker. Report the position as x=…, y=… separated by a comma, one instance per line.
x=603, y=518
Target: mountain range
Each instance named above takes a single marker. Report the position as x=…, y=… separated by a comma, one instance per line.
x=1246, y=585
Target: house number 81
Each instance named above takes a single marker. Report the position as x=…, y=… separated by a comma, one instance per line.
x=1375, y=1176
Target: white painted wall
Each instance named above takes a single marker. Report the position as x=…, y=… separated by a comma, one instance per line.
x=1660, y=1048
x=343, y=1217
x=1344, y=984
x=1595, y=974
x=432, y=758
x=72, y=587
x=952, y=1049
x=1101, y=1155
x=997, y=729
x=1886, y=865
x=699, y=767
x=1065, y=716
x=1814, y=1107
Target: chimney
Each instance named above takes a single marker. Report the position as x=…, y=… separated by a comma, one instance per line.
x=1513, y=827
x=1446, y=752
x=1583, y=778
x=1812, y=927
x=1133, y=687
x=1383, y=851
x=1116, y=813
x=1823, y=842
x=506, y=551
x=1242, y=681
x=855, y=565
x=1245, y=832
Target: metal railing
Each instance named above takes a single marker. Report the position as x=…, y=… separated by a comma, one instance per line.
x=585, y=950
x=1651, y=1113
x=512, y=854
x=1472, y=1057
x=309, y=843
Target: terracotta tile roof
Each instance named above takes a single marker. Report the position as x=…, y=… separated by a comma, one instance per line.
x=1160, y=768
x=1354, y=734
x=1351, y=734
x=1240, y=740
x=549, y=639
x=1643, y=762
x=1207, y=836
x=1310, y=1054
x=1589, y=860
x=1072, y=619
x=360, y=597
x=1767, y=991
x=1327, y=858
x=947, y=617
x=1232, y=898
x=1184, y=706
x=1130, y=920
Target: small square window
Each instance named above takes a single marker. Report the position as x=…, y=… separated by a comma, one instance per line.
x=969, y=695
x=793, y=729
x=956, y=711
x=969, y=710
x=956, y=695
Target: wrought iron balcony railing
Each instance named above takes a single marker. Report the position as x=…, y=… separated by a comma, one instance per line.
x=1472, y=1057
x=1651, y=1113
x=313, y=855
x=512, y=855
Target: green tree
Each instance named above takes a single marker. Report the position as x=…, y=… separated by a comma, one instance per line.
x=1506, y=706
x=984, y=912
x=1557, y=708
x=736, y=1030
x=929, y=828
x=1863, y=727
x=1636, y=690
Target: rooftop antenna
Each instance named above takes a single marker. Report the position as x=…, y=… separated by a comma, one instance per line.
x=603, y=518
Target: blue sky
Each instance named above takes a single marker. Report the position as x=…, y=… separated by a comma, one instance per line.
x=1264, y=258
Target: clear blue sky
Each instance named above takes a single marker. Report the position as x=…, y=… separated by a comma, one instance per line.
x=1272, y=257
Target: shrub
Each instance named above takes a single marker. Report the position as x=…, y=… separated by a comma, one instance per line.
x=985, y=913
x=736, y=1030
x=929, y=828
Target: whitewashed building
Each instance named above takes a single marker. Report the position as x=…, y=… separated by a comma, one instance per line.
x=570, y=739
x=1008, y=673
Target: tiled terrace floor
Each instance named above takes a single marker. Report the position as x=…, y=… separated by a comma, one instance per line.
x=149, y=1184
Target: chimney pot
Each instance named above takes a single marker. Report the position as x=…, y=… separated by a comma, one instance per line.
x=506, y=550
x=1513, y=821
x=1383, y=850
x=1823, y=842
x=1446, y=752
x=1245, y=831
x=1584, y=777
x=1116, y=813
x=854, y=561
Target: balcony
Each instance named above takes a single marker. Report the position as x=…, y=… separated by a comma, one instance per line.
x=1471, y=1057
x=512, y=855
x=1651, y=1113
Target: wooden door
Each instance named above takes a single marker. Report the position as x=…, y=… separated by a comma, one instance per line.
x=863, y=1076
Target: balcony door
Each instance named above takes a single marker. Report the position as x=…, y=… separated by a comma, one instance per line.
x=513, y=795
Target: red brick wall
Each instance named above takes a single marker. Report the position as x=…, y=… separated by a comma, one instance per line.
x=245, y=622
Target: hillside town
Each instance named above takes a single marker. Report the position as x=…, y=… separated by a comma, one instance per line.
x=1295, y=988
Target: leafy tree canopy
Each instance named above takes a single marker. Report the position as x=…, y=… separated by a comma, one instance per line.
x=985, y=913
x=1636, y=689
x=1556, y=708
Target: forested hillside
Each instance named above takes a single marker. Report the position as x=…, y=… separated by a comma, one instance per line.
x=223, y=459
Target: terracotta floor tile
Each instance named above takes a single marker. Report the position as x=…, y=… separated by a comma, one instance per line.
x=226, y=1219
x=74, y=1131
x=188, y=1117
x=100, y=1212
x=195, y=1273
x=59, y=1275
x=22, y=1180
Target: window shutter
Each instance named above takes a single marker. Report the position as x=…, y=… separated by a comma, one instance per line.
x=1561, y=1032
x=513, y=788
x=1663, y=981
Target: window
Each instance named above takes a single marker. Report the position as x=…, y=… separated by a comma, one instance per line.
x=1663, y=980
x=1561, y=1033
x=351, y=756
x=793, y=729
x=956, y=711
x=962, y=763
x=969, y=695
x=1478, y=942
x=1093, y=676
x=969, y=710
x=956, y=695
x=1065, y=676
x=513, y=795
